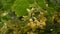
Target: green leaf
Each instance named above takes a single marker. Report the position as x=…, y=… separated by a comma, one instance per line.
x=20, y=6
x=40, y=3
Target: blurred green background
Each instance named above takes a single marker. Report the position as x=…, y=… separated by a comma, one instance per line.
x=15, y=15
